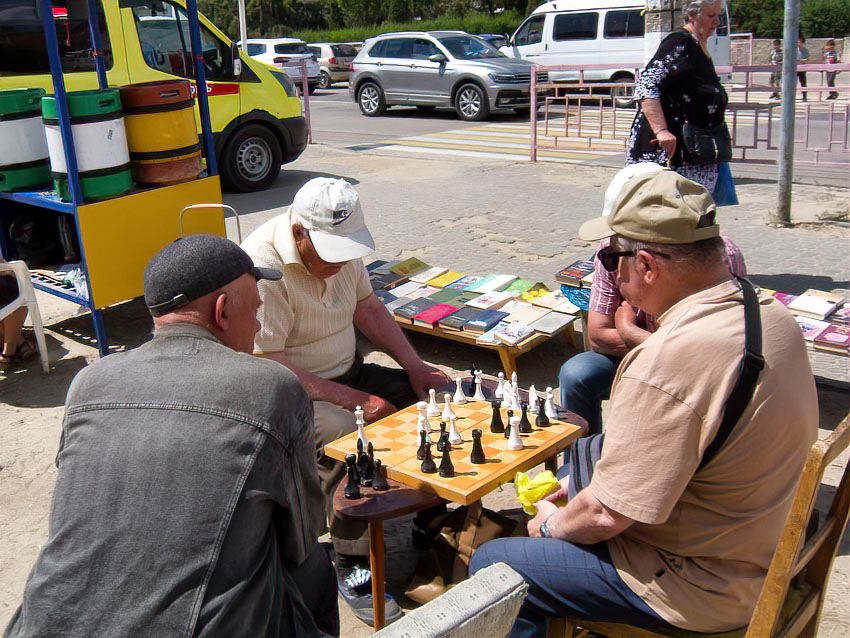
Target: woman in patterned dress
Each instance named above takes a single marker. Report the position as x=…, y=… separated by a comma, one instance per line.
x=678, y=85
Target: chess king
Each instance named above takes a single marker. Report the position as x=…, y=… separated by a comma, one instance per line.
x=307, y=324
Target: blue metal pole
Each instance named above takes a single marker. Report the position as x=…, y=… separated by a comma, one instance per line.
x=201, y=81
x=95, y=44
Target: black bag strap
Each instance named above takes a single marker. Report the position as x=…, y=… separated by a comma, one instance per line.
x=749, y=370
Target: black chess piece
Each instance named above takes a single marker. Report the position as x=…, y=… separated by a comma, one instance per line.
x=477, y=454
x=447, y=468
x=496, y=424
x=361, y=462
x=542, y=420
x=428, y=465
x=420, y=453
x=442, y=442
x=379, y=482
x=368, y=471
x=508, y=424
x=352, y=489
x=524, y=423
x=442, y=428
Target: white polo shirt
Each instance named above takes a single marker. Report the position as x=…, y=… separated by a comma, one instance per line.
x=309, y=319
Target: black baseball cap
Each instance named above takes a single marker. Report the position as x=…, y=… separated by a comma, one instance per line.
x=194, y=266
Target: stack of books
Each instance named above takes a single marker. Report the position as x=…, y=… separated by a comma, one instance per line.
x=823, y=317
x=492, y=309
x=578, y=274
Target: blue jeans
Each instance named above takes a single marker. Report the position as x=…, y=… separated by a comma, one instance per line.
x=585, y=381
x=566, y=581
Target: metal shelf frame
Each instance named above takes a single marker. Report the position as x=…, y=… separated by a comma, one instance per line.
x=48, y=199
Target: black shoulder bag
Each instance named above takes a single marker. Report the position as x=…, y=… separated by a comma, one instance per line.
x=586, y=451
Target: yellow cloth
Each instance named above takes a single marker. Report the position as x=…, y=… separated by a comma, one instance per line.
x=529, y=491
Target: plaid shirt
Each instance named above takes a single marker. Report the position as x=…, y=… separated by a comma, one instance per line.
x=605, y=295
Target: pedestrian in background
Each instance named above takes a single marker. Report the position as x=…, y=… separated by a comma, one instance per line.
x=802, y=57
x=830, y=56
x=776, y=76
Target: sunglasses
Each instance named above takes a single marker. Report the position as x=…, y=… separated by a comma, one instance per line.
x=610, y=258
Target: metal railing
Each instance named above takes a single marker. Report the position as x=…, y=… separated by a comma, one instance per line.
x=305, y=91
x=593, y=115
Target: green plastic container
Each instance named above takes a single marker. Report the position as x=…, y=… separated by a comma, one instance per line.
x=100, y=142
x=24, y=164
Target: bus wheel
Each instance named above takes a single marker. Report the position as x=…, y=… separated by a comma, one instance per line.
x=251, y=159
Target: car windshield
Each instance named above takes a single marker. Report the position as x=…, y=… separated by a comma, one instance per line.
x=294, y=48
x=467, y=47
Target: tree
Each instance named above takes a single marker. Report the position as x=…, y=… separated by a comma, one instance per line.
x=825, y=18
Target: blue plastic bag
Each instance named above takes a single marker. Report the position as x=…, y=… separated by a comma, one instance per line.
x=724, y=191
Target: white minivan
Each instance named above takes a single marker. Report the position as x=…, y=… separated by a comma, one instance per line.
x=595, y=32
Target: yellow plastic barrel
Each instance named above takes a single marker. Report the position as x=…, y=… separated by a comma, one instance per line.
x=161, y=135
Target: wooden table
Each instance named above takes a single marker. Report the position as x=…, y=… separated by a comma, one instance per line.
x=507, y=353
x=395, y=441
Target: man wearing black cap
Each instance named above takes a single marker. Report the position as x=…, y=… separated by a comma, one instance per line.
x=185, y=499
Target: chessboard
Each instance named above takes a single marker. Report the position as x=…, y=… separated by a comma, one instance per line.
x=396, y=441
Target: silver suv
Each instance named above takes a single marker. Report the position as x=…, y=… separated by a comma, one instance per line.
x=439, y=68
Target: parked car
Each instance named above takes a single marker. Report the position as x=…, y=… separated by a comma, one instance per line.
x=496, y=39
x=438, y=68
x=286, y=54
x=334, y=61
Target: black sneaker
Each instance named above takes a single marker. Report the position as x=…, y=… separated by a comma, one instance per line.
x=355, y=587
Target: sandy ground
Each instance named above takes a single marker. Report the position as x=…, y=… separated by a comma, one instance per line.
x=31, y=404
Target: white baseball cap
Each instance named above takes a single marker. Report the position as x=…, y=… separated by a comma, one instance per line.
x=329, y=209
x=623, y=177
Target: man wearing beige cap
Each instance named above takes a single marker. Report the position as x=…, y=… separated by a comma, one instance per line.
x=308, y=320
x=710, y=421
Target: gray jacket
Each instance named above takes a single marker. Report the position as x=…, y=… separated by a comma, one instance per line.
x=187, y=483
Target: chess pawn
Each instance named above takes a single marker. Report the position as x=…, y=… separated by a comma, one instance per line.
x=477, y=455
x=361, y=425
x=549, y=406
x=428, y=466
x=533, y=402
x=433, y=408
x=447, y=468
x=454, y=435
x=423, y=443
x=507, y=391
x=524, y=423
x=509, y=424
x=542, y=420
x=479, y=390
x=448, y=413
x=515, y=440
x=441, y=443
x=496, y=424
x=352, y=488
x=379, y=482
x=422, y=424
x=500, y=387
x=459, y=397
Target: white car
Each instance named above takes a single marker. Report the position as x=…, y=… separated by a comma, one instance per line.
x=334, y=61
x=287, y=55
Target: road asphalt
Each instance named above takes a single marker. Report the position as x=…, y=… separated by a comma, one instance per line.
x=475, y=216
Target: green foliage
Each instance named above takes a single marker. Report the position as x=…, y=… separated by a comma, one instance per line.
x=825, y=18
x=766, y=18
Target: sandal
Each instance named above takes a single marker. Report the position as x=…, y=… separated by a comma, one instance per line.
x=24, y=351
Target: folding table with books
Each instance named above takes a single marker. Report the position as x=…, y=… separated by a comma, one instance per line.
x=500, y=312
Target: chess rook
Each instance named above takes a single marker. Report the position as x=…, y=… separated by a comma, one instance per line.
x=515, y=440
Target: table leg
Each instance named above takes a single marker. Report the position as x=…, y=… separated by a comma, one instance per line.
x=376, y=562
x=551, y=464
x=508, y=360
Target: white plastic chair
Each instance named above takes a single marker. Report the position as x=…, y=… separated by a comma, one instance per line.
x=27, y=298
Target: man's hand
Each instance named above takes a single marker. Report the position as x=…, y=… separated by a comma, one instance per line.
x=544, y=510
x=562, y=493
x=375, y=408
x=625, y=320
x=424, y=377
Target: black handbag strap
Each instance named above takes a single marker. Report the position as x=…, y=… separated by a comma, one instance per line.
x=748, y=372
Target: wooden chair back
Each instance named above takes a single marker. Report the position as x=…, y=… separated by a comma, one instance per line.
x=792, y=596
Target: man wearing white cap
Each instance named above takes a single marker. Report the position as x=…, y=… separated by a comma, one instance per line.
x=614, y=326
x=308, y=320
x=710, y=422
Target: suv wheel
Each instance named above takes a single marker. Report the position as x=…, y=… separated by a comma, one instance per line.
x=471, y=103
x=325, y=80
x=251, y=159
x=370, y=97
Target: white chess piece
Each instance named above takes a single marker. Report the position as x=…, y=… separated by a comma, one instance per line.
x=500, y=388
x=515, y=440
x=514, y=382
x=422, y=424
x=361, y=424
x=448, y=413
x=549, y=406
x=433, y=408
x=507, y=390
x=516, y=406
x=479, y=390
x=460, y=397
x=532, y=400
x=454, y=435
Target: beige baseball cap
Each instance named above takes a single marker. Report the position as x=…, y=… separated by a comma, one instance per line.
x=329, y=209
x=659, y=207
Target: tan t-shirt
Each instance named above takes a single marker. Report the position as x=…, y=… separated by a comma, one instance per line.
x=701, y=544
x=309, y=319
